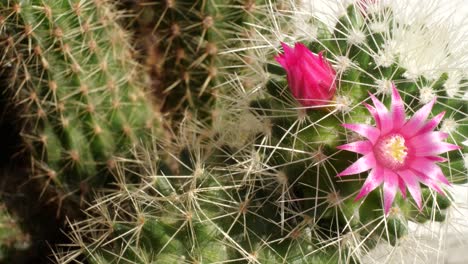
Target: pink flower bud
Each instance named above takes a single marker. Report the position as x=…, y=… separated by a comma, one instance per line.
x=311, y=78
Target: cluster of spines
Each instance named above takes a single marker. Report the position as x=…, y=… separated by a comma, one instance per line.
x=278, y=201
x=202, y=214
x=73, y=76
x=187, y=49
x=276, y=198
x=299, y=145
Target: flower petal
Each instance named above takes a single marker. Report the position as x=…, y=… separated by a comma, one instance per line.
x=386, y=123
x=362, y=164
x=411, y=181
x=325, y=62
x=432, y=149
x=374, y=179
x=428, y=168
x=429, y=126
x=416, y=123
x=287, y=50
x=284, y=58
x=397, y=109
x=374, y=114
x=401, y=185
x=428, y=182
x=366, y=131
x=296, y=82
x=389, y=188
x=429, y=138
x=361, y=147
x=281, y=60
x=429, y=144
x=436, y=158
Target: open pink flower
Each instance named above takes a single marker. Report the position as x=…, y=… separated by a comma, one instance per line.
x=310, y=77
x=400, y=153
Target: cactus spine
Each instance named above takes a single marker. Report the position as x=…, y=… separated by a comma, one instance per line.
x=272, y=196
x=275, y=198
x=187, y=48
x=299, y=145
x=203, y=214
x=79, y=89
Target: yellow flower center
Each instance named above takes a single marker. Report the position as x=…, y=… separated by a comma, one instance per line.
x=391, y=151
x=395, y=147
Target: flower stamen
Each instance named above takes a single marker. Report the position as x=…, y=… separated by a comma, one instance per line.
x=392, y=151
x=396, y=148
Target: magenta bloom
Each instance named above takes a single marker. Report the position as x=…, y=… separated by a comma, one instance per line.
x=400, y=153
x=310, y=77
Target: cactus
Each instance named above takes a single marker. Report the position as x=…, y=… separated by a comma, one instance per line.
x=70, y=71
x=12, y=239
x=265, y=189
x=187, y=49
x=193, y=214
x=299, y=144
x=275, y=197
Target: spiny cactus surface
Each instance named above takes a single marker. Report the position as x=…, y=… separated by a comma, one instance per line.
x=297, y=141
x=71, y=73
x=276, y=198
x=188, y=47
x=201, y=214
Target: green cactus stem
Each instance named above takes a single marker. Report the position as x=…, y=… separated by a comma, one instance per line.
x=80, y=92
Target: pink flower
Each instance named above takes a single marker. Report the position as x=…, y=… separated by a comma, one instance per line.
x=310, y=77
x=400, y=153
